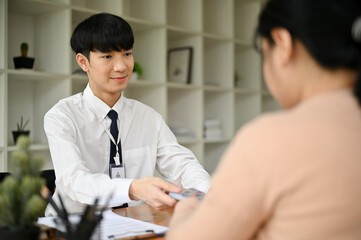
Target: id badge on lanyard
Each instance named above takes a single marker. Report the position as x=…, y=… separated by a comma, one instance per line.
x=117, y=171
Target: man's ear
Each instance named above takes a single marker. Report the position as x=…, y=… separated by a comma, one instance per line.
x=284, y=44
x=82, y=61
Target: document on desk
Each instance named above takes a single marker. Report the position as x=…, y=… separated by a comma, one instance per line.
x=114, y=226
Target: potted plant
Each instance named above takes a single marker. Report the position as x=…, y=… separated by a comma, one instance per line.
x=20, y=200
x=137, y=71
x=21, y=129
x=24, y=61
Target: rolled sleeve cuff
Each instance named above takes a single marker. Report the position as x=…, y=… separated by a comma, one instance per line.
x=203, y=186
x=121, y=191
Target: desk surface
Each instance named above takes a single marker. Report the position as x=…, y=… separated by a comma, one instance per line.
x=141, y=212
x=147, y=214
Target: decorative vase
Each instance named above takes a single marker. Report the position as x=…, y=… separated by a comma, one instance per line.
x=17, y=134
x=23, y=62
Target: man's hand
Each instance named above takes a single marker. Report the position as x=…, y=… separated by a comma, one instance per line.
x=44, y=192
x=152, y=190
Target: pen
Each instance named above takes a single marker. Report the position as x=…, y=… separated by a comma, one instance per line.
x=87, y=222
x=62, y=215
x=66, y=219
x=56, y=208
x=148, y=234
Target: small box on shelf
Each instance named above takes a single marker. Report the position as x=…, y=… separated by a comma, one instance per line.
x=182, y=133
x=212, y=129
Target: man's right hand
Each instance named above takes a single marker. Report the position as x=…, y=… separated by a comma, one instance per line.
x=152, y=190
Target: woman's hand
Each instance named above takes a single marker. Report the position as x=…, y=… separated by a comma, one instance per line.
x=183, y=210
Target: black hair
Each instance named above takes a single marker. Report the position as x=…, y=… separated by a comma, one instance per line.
x=323, y=26
x=104, y=32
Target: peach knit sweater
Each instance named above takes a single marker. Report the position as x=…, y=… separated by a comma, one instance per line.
x=292, y=175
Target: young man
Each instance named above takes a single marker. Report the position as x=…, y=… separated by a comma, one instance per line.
x=95, y=156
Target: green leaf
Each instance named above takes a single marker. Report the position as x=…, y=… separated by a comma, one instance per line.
x=21, y=126
x=20, y=200
x=9, y=185
x=137, y=68
x=34, y=208
x=20, y=164
x=23, y=143
x=7, y=217
x=30, y=186
x=35, y=165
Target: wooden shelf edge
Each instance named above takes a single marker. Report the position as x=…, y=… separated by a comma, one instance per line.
x=239, y=90
x=217, y=140
x=33, y=147
x=144, y=83
x=218, y=37
x=183, y=30
x=84, y=9
x=28, y=74
x=211, y=88
x=171, y=85
x=188, y=140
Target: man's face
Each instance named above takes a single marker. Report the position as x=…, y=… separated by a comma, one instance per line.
x=109, y=73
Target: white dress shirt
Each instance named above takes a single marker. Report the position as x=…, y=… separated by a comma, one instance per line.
x=80, y=149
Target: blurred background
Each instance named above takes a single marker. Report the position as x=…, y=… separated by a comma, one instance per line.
x=198, y=67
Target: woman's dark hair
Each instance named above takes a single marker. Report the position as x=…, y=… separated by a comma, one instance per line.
x=104, y=32
x=323, y=26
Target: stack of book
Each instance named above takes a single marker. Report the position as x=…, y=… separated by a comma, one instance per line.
x=212, y=129
x=182, y=133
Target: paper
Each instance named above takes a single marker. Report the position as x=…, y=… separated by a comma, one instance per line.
x=112, y=225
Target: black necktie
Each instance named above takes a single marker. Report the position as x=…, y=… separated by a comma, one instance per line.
x=113, y=115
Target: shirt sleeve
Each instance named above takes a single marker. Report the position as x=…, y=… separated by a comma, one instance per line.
x=73, y=178
x=177, y=163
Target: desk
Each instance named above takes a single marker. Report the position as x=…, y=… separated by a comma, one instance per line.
x=141, y=212
x=147, y=214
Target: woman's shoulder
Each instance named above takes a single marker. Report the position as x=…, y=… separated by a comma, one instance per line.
x=270, y=123
x=312, y=120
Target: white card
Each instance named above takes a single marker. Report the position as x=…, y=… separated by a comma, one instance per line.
x=117, y=171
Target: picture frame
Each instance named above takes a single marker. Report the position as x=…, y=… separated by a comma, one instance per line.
x=180, y=65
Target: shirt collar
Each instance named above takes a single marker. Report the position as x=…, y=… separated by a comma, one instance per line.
x=100, y=108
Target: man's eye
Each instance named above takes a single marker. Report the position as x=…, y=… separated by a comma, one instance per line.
x=127, y=54
x=107, y=56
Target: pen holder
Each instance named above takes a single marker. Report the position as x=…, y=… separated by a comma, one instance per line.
x=74, y=227
x=77, y=233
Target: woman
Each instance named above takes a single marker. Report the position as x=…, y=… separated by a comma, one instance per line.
x=293, y=174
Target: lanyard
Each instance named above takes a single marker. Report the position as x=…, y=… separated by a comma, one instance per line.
x=116, y=158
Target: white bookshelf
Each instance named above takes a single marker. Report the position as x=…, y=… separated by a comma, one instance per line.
x=220, y=33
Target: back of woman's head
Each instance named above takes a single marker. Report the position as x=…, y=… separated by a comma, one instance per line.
x=327, y=28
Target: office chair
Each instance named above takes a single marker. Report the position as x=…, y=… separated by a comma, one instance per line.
x=48, y=175
x=3, y=175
